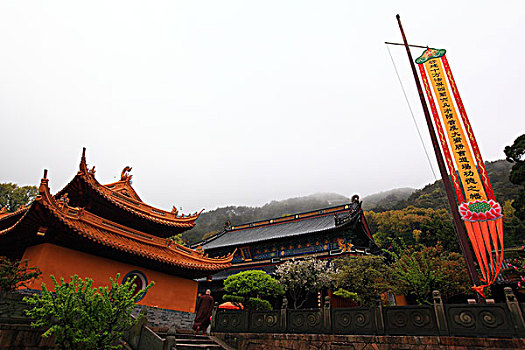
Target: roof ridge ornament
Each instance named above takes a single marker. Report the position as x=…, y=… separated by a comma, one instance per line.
x=124, y=175
x=83, y=162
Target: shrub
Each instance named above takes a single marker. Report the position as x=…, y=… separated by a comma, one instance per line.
x=82, y=317
x=250, y=285
x=343, y=293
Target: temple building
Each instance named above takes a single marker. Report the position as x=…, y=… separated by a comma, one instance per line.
x=263, y=245
x=96, y=231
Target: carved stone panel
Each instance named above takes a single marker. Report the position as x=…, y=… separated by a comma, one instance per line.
x=482, y=319
x=305, y=321
x=353, y=321
x=410, y=320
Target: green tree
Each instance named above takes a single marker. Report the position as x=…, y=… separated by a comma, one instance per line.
x=252, y=288
x=12, y=196
x=414, y=226
x=368, y=276
x=15, y=274
x=303, y=278
x=82, y=317
x=513, y=227
x=420, y=270
x=514, y=155
x=179, y=239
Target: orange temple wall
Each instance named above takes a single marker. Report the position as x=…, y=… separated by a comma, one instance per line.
x=169, y=292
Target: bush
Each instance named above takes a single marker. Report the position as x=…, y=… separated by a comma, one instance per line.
x=343, y=293
x=250, y=285
x=259, y=304
x=82, y=317
x=368, y=276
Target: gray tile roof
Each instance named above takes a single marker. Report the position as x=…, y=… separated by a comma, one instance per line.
x=272, y=231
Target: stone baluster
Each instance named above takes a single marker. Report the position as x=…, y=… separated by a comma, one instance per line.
x=515, y=311
x=214, y=316
x=439, y=310
x=284, y=314
x=380, y=322
x=327, y=314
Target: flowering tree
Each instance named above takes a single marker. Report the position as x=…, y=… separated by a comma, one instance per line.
x=304, y=277
x=515, y=272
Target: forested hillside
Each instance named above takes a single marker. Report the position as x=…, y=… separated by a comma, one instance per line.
x=433, y=195
x=391, y=213
x=386, y=200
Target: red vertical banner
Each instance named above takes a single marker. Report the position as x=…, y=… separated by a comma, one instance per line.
x=479, y=210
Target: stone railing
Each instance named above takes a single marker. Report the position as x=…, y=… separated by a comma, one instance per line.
x=480, y=320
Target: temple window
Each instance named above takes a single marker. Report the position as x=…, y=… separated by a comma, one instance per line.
x=140, y=282
x=245, y=251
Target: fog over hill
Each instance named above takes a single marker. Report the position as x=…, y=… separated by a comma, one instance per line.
x=430, y=196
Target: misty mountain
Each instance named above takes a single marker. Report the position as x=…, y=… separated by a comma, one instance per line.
x=430, y=196
x=386, y=200
x=434, y=196
x=213, y=221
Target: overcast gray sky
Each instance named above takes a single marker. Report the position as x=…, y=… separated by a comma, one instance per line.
x=240, y=102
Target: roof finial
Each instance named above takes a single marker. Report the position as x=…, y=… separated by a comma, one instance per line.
x=45, y=173
x=83, y=162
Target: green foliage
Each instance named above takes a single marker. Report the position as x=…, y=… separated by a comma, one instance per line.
x=252, y=284
x=15, y=274
x=368, y=276
x=82, y=317
x=414, y=226
x=514, y=155
x=420, y=270
x=303, y=277
x=343, y=293
x=259, y=304
x=386, y=200
x=179, y=239
x=12, y=196
x=513, y=227
x=233, y=299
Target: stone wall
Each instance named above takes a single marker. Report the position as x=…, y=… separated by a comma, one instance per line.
x=258, y=341
x=24, y=337
x=164, y=318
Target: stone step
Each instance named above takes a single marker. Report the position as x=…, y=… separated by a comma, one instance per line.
x=195, y=342
x=188, y=346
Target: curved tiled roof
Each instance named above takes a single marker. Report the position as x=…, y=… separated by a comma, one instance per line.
x=288, y=226
x=122, y=195
x=121, y=238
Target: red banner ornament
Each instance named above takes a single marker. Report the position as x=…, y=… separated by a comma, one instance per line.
x=479, y=210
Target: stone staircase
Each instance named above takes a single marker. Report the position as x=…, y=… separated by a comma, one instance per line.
x=196, y=342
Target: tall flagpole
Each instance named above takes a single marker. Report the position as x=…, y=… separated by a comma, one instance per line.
x=463, y=243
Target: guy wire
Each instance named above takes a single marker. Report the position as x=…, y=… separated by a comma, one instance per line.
x=412, y=113
x=443, y=195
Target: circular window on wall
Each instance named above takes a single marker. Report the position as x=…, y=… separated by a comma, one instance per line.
x=139, y=280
